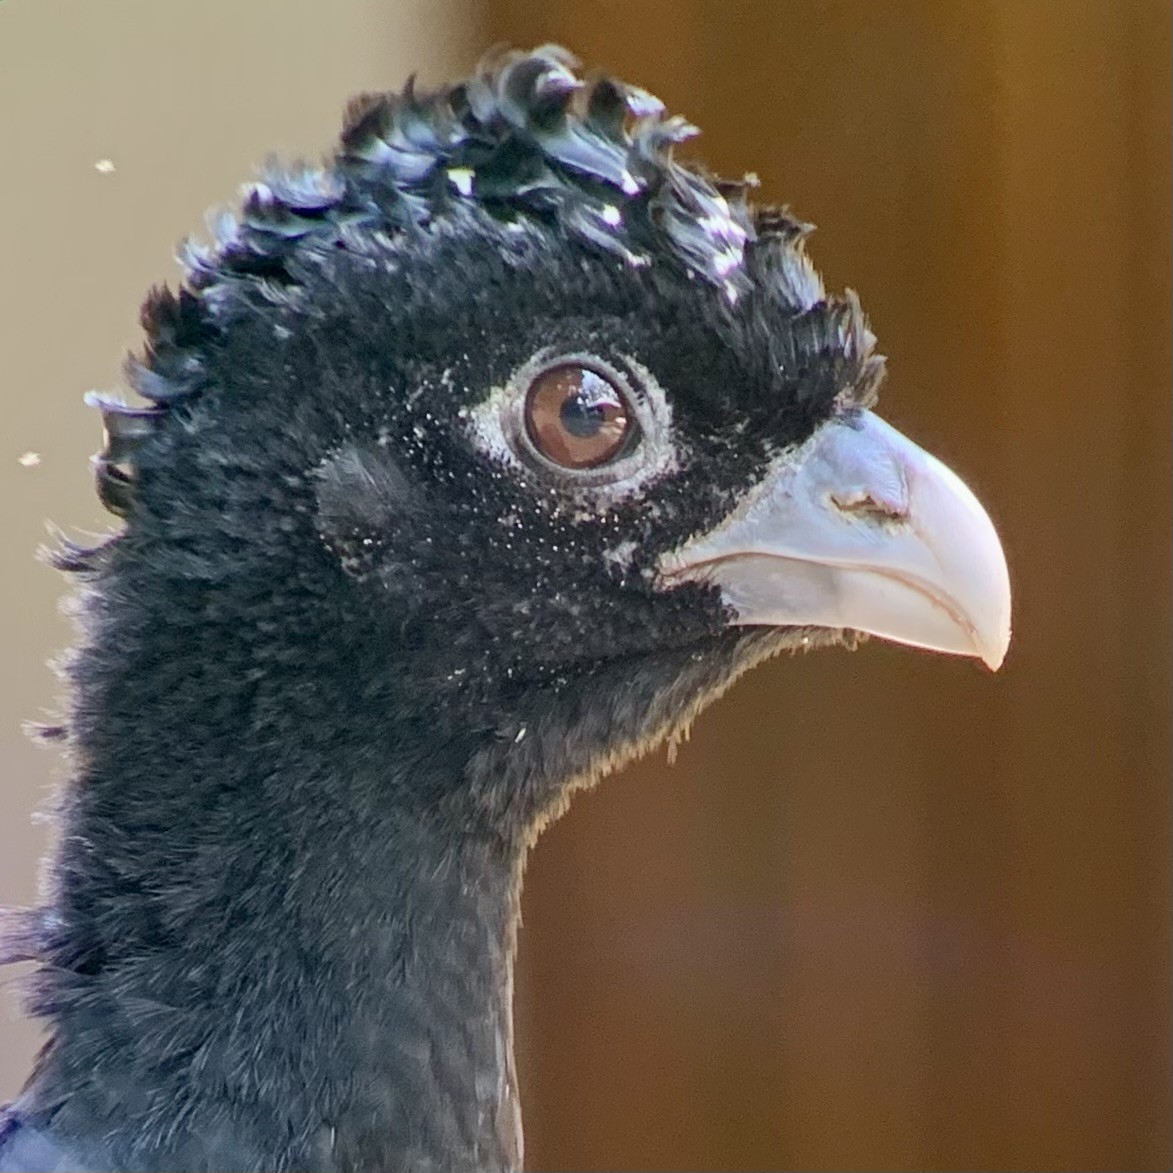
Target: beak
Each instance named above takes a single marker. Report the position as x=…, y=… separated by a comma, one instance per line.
x=860, y=529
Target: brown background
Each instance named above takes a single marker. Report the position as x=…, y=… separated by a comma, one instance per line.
x=887, y=911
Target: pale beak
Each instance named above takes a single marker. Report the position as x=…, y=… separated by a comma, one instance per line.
x=860, y=529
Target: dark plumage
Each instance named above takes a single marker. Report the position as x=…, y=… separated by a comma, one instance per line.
x=362, y=635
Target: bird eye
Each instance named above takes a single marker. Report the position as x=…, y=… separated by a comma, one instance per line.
x=578, y=418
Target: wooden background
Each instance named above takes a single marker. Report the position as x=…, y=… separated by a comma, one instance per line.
x=887, y=911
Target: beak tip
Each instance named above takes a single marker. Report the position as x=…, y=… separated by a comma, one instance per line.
x=993, y=651
x=993, y=643
x=994, y=657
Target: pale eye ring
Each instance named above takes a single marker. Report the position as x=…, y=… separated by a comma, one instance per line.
x=577, y=417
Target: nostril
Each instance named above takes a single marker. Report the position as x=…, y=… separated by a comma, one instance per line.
x=869, y=506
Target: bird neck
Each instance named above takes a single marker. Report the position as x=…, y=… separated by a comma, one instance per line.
x=276, y=953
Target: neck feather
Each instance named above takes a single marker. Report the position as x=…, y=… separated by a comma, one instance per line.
x=279, y=942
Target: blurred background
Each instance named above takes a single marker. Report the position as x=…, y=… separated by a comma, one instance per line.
x=886, y=911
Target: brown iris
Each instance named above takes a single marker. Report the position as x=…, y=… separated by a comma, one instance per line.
x=576, y=417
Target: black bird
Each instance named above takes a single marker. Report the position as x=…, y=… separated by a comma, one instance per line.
x=469, y=467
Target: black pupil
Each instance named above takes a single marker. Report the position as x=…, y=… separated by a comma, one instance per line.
x=584, y=412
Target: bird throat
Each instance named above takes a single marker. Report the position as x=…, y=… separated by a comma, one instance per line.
x=285, y=897
x=338, y=997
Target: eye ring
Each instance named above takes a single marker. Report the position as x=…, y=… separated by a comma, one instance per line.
x=579, y=417
x=497, y=427
x=624, y=382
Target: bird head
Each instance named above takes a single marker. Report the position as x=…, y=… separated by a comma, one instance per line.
x=532, y=430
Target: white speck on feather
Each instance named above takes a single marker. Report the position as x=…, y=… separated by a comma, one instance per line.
x=104, y=166
x=29, y=459
x=621, y=554
x=461, y=178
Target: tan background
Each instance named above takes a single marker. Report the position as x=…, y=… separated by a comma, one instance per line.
x=886, y=911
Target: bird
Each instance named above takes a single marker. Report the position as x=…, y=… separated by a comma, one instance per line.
x=465, y=467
